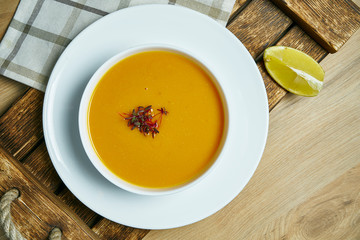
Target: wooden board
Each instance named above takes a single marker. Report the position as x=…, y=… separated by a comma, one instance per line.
x=258, y=31
x=39, y=159
x=25, y=122
x=330, y=23
x=258, y=24
x=37, y=211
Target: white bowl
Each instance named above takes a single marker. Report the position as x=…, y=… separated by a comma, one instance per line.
x=86, y=138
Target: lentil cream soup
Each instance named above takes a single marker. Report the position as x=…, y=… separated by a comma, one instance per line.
x=190, y=134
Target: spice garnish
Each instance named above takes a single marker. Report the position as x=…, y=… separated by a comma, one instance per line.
x=144, y=119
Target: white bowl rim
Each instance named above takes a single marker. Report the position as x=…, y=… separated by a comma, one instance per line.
x=83, y=119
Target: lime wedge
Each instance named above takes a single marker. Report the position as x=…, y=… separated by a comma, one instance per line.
x=294, y=70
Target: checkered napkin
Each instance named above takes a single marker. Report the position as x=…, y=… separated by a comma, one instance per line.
x=41, y=29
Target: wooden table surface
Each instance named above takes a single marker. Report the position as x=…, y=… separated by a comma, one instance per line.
x=307, y=183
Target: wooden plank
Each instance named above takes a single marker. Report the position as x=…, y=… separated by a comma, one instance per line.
x=39, y=164
x=330, y=23
x=331, y=213
x=258, y=31
x=107, y=229
x=21, y=125
x=20, y=132
x=88, y=216
x=298, y=39
x=10, y=91
x=37, y=210
x=273, y=90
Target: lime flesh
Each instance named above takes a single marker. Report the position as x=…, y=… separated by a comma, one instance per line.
x=294, y=70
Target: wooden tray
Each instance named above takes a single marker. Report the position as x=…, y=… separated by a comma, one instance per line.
x=316, y=28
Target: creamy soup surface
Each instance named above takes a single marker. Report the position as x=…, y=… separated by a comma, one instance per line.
x=189, y=135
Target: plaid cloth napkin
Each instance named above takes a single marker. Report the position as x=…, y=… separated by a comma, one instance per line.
x=41, y=29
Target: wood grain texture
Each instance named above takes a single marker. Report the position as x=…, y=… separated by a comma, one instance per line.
x=25, y=122
x=88, y=216
x=307, y=183
x=331, y=23
x=39, y=164
x=295, y=38
x=20, y=132
x=258, y=31
x=37, y=211
x=10, y=91
x=107, y=229
x=238, y=5
x=331, y=213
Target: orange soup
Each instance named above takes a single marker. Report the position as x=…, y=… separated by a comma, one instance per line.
x=190, y=135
